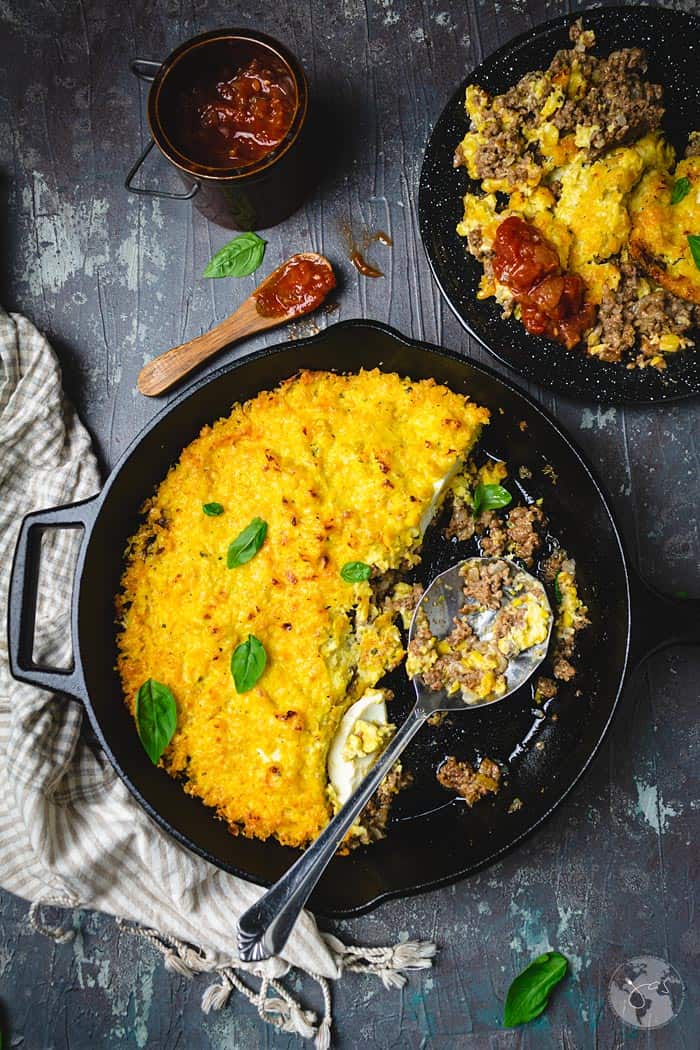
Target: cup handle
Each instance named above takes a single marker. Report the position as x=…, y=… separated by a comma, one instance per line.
x=146, y=70
x=145, y=192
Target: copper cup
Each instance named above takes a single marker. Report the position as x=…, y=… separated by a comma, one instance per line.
x=255, y=196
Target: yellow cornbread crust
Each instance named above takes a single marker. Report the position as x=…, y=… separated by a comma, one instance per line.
x=660, y=234
x=342, y=468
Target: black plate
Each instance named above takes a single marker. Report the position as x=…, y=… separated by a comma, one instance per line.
x=671, y=39
x=432, y=838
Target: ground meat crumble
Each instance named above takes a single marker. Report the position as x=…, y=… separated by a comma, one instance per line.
x=483, y=585
x=619, y=103
x=469, y=783
x=524, y=531
x=625, y=320
x=462, y=523
x=545, y=688
x=402, y=601
x=375, y=816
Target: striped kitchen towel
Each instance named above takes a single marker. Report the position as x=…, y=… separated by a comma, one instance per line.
x=71, y=836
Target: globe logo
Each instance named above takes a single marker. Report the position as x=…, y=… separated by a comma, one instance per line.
x=646, y=992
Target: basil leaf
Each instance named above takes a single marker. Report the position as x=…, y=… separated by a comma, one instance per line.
x=490, y=497
x=238, y=258
x=213, y=510
x=694, y=243
x=529, y=993
x=247, y=544
x=557, y=590
x=248, y=663
x=355, y=571
x=156, y=718
x=681, y=189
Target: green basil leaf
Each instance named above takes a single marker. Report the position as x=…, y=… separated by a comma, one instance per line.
x=557, y=590
x=248, y=663
x=247, y=544
x=681, y=189
x=238, y=258
x=156, y=718
x=355, y=571
x=529, y=993
x=490, y=497
x=694, y=243
x=213, y=510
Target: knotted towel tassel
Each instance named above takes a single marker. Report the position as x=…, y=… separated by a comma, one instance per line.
x=323, y=1034
x=216, y=996
x=58, y=933
x=282, y=1010
x=388, y=963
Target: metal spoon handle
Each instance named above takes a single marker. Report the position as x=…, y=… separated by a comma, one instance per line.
x=263, y=930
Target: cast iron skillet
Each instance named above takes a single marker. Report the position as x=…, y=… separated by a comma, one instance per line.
x=433, y=839
x=673, y=62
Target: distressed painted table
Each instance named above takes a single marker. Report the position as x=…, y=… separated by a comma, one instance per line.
x=113, y=279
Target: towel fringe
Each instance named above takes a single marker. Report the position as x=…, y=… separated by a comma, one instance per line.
x=280, y=1009
x=323, y=1032
x=388, y=962
x=59, y=933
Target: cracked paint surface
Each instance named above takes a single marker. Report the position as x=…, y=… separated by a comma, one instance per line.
x=115, y=279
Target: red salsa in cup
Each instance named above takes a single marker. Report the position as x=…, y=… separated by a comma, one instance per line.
x=238, y=111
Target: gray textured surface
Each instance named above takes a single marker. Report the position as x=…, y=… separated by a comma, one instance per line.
x=114, y=279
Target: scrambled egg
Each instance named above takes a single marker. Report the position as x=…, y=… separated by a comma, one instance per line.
x=661, y=229
x=533, y=629
x=571, y=609
x=490, y=683
x=342, y=469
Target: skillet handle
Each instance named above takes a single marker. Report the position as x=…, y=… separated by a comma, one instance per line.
x=24, y=582
x=660, y=621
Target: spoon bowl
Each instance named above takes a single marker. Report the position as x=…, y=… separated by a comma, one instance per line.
x=443, y=601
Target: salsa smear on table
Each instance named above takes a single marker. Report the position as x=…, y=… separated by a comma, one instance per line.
x=238, y=112
x=551, y=302
x=296, y=288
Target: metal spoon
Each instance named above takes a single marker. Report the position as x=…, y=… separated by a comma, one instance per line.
x=264, y=929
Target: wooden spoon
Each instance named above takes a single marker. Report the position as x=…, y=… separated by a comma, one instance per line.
x=165, y=370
